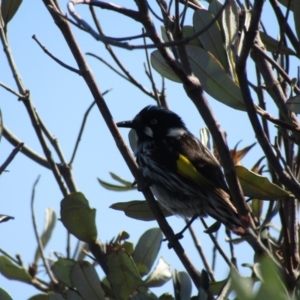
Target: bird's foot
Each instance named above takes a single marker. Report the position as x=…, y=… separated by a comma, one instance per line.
x=174, y=240
x=179, y=235
x=142, y=187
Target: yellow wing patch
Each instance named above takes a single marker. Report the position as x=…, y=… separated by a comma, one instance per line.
x=187, y=169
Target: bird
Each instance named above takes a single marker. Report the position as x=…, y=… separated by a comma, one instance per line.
x=183, y=174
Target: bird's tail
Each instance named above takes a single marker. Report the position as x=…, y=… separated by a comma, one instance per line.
x=222, y=209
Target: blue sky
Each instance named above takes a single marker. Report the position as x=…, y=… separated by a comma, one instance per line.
x=61, y=98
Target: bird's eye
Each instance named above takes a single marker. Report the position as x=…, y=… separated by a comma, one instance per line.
x=153, y=121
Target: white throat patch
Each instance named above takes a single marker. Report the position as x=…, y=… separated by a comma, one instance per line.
x=148, y=131
x=175, y=132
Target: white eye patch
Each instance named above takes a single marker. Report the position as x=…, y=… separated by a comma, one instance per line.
x=175, y=132
x=148, y=131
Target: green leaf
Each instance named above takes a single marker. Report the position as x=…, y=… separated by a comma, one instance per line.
x=214, y=80
x=147, y=249
x=12, y=271
x=257, y=186
x=211, y=38
x=293, y=104
x=50, y=296
x=182, y=285
x=166, y=296
x=242, y=286
x=160, y=275
x=8, y=9
x=159, y=64
x=114, y=187
x=128, y=247
x=216, y=287
x=138, y=210
x=272, y=286
x=62, y=269
x=123, y=275
x=230, y=23
x=85, y=279
x=4, y=295
x=78, y=217
x=272, y=45
x=214, y=7
x=143, y=294
x=257, y=206
x=50, y=221
x=187, y=31
x=72, y=295
x=126, y=185
x=56, y=296
x=39, y=297
x=119, y=179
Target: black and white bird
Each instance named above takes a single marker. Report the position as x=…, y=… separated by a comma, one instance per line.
x=183, y=174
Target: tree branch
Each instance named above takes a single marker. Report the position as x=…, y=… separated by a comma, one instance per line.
x=11, y=157
x=11, y=138
x=54, y=58
x=126, y=153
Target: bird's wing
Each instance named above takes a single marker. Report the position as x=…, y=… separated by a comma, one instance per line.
x=197, y=163
x=187, y=169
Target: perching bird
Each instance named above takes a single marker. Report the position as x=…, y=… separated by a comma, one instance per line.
x=183, y=174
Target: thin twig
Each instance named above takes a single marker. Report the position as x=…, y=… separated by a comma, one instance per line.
x=29, y=107
x=11, y=157
x=201, y=253
x=150, y=73
x=11, y=138
x=68, y=246
x=19, y=258
x=55, y=58
x=214, y=253
x=11, y=90
x=282, y=26
x=113, y=7
x=16, y=261
x=81, y=132
x=155, y=14
x=108, y=65
x=115, y=41
x=262, y=102
x=163, y=96
x=39, y=241
x=217, y=245
x=82, y=128
x=184, y=13
x=128, y=76
x=278, y=68
x=289, y=32
x=231, y=247
x=276, y=121
x=52, y=139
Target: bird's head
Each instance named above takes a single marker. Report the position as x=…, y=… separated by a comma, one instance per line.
x=154, y=122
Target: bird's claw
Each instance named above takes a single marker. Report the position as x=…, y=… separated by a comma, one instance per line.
x=174, y=240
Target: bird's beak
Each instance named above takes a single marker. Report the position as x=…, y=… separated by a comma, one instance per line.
x=128, y=124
